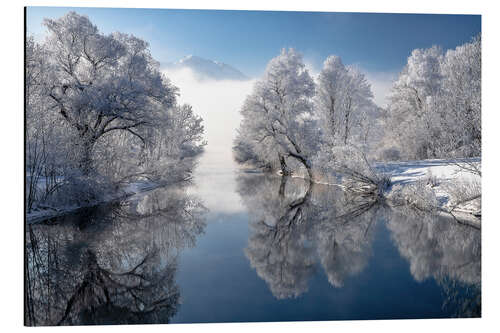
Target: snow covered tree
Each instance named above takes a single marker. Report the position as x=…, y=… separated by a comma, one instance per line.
x=343, y=101
x=47, y=136
x=358, y=103
x=460, y=101
x=278, y=122
x=100, y=84
x=344, y=105
x=99, y=112
x=36, y=148
x=168, y=156
x=412, y=121
x=435, y=109
x=287, y=122
x=330, y=97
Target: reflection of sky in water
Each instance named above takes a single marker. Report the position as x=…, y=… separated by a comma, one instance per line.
x=215, y=184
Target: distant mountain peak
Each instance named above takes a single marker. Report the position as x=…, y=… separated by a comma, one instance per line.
x=186, y=58
x=208, y=69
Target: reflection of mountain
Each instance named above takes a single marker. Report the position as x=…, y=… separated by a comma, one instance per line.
x=297, y=227
x=207, y=69
x=113, y=264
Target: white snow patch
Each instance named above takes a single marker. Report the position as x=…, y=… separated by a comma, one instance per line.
x=445, y=178
x=44, y=212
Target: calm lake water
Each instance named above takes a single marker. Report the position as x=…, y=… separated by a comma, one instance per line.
x=239, y=246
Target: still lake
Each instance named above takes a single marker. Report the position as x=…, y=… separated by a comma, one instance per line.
x=241, y=246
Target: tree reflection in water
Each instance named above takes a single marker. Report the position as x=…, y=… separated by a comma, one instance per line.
x=296, y=224
x=112, y=264
x=292, y=220
x=439, y=248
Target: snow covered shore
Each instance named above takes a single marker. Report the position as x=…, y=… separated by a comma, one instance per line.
x=441, y=182
x=455, y=191
x=44, y=213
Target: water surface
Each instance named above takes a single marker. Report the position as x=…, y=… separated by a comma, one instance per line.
x=241, y=246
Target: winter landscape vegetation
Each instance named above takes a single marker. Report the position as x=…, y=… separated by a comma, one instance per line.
x=129, y=162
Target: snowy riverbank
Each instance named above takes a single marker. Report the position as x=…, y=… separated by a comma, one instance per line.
x=444, y=180
x=454, y=190
x=44, y=213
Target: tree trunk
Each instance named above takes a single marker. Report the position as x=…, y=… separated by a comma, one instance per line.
x=86, y=158
x=309, y=172
x=346, y=133
x=285, y=171
x=347, y=115
x=281, y=191
x=332, y=117
x=305, y=163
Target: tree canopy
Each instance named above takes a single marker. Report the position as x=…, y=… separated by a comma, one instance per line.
x=98, y=107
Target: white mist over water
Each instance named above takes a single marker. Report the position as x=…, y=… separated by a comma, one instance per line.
x=218, y=102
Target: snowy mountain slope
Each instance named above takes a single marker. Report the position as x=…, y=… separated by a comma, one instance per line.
x=207, y=69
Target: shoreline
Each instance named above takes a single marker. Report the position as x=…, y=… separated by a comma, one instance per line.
x=403, y=176
x=53, y=212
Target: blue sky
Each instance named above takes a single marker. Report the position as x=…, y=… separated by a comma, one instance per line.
x=247, y=40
